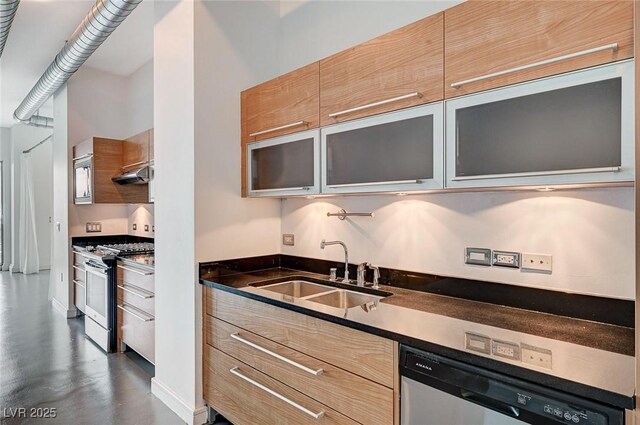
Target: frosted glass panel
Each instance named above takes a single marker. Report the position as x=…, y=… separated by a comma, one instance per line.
x=571, y=128
x=283, y=166
x=400, y=150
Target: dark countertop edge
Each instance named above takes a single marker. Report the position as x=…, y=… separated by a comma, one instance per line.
x=576, y=388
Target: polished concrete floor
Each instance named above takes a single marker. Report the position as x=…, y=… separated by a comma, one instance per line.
x=47, y=363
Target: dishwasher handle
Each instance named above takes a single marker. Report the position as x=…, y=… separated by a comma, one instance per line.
x=490, y=403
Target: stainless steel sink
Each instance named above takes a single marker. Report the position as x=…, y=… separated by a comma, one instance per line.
x=342, y=298
x=297, y=288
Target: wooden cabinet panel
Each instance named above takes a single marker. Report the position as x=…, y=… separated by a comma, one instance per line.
x=483, y=37
x=136, y=150
x=399, y=63
x=288, y=99
x=349, y=394
x=358, y=352
x=245, y=403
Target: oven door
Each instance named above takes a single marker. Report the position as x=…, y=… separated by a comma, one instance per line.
x=82, y=180
x=97, y=294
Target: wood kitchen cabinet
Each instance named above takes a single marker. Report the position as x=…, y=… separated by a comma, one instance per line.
x=136, y=150
x=399, y=69
x=482, y=38
x=284, y=105
x=105, y=159
x=349, y=375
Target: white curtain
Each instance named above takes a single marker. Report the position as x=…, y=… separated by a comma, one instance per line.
x=29, y=259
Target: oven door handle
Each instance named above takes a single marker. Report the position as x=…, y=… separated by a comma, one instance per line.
x=490, y=403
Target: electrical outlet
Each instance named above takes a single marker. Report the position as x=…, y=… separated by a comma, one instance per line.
x=135, y=226
x=537, y=262
x=153, y=228
x=93, y=227
x=146, y=227
x=506, y=259
x=536, y=356
x=287, y=239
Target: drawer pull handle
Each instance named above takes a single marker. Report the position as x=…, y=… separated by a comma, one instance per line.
x=282, y=127
x=126, y=308
x=237, y=337
x=78, y=268
x=137, y=292
x=613, y=47
x=236, y=371
x=374, y=104
x=286, y=189
x=79, y=283
x=129, y=269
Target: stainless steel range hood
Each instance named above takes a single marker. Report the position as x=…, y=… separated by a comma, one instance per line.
x=133, y=176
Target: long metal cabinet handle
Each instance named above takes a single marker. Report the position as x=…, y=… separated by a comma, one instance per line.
x=417, y=181
x=138, y=293
x=78, y=268
x=135, y=271
x=282, y=127
x=613, y=47
x=134, y=164
x=235, y=371
x=86, y=155
x=371, y=105
x=123, y=307
x=539, y=173
x=286, y=189
x=79, y=283
x=316, y=372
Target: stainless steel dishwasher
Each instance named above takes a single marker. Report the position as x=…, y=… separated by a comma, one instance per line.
x=440, y=391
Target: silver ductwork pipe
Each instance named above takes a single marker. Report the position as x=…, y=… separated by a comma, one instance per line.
x=39, y=121
x=8, y=10
x=103, y=18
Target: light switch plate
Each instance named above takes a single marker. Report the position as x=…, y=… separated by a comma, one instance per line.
x=93, y=227
x=476, y=342
x=288, y=239
x=508, y=350
x=478, y=256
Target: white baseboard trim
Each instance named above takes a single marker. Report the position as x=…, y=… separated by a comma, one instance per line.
x=68, y=313
x=191, y=416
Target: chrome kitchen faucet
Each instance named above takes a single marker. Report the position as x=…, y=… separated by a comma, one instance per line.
x=346, y=257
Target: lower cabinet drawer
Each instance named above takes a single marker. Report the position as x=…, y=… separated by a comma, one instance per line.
x=354, y=396
x=363, y=354
x=137, y=276
x=79, y=297
x=137, y=297
x=138, y=331
x=246, y=396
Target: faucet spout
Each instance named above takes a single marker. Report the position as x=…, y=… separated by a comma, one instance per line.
x=324, y=243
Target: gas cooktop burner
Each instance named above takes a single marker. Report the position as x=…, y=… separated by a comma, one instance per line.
x=127, y=248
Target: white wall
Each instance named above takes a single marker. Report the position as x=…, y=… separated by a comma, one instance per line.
x=587, y=231
x=5, y=157
x=24, y=137
x=107, y=105
x=141, y=216
x=60, y=265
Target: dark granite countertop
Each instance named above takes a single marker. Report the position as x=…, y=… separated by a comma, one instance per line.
x=437, y=322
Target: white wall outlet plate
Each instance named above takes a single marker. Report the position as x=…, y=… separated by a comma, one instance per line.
x=537, y=262
x=506, y=259
x=536, y=356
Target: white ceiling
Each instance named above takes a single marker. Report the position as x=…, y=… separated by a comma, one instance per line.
x=38, y=33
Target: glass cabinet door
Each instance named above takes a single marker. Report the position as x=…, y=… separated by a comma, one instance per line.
x=575, y=128
x=284, y=166
x=399, y=151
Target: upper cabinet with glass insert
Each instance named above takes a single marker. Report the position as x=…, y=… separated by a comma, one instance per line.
x=284, y=166
x=571, y=129
x=284, y=105
x=399, y=151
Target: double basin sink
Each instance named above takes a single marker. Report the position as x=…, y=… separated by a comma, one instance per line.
x=322, y=294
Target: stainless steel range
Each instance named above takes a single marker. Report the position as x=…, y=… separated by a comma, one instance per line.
x=100, y=303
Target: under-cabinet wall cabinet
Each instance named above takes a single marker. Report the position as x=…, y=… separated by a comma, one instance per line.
x=536, y=93
x=331, y=375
